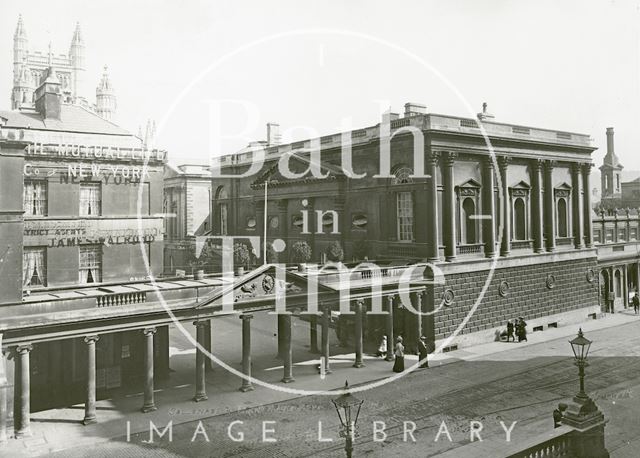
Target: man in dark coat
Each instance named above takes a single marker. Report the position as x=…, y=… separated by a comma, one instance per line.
x=510, y=331
x=423, y=351
x=636, y=303
x=558, y=414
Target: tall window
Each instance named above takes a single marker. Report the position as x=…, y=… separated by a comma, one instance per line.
x=221, y=195
x=34, y=267
x=90, y=264
x=90, y=199
x=519, y=219
x=405, y=216
x=469, y=210
x=562, y=217
x=35, y=198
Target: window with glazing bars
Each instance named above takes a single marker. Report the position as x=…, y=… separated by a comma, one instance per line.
x=35, y=198
x=90, y=199
x=405, y=216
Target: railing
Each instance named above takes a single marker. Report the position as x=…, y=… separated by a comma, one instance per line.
x=470, y=248
x=521, y=244
x=556, y=446
x=113, y=300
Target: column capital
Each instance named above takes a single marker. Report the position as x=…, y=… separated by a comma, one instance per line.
x=360, y=302
x=586, y=167
x=576, y=168
x=24, y=348
x=550, y=164
x=487, y=162
x=200, y=323
x=149, y=331
x=246, y=316
x=503, y=162
x=536, y=164
x=434, y=157
x=91, y=339
x=448, y=157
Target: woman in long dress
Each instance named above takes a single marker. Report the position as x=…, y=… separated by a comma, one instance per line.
x=398, y=365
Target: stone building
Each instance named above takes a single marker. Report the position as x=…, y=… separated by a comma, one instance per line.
x=30, y=66
x=511, y=233
x=187, y=198
x=84, y=205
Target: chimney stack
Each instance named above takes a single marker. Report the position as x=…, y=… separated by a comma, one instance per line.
x=273, y=134
x=49, y=95
x=610, y=140
x=413, y=109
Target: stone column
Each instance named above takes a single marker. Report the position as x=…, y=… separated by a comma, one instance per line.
x=326, y=317
x=281, y=335
x=148, y=404
x=22, y=387
x=432, y=207
x=418, y=306
x=549, y=206
x=390, y=337
x=638, y=277
x=488, y=210
x=287, y=351
x=536, y=206
x=90, y=403
x=201, y=390
x=246, y=352
x=313, y=334
x=505, y=246
x=207, y=338
x=449, y=207
x=4, y=385
x=625, y=286
x=358, y=337
x=586, y=207
x=283, y=228
x=576, y=206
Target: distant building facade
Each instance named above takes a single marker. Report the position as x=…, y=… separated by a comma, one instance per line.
x=453, y=219
x=187, y=201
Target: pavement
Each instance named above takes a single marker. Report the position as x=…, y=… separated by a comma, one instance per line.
x=60, y=430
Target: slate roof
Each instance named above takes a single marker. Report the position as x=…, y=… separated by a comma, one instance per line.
x=73, y=118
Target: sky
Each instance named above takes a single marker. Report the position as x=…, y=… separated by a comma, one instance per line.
x=213, y=73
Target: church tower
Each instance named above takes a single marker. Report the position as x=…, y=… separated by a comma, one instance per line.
x=610, y=171
x=22, y=87
x=77, y=60
x=105, y=98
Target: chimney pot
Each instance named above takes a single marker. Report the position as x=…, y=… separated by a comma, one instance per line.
x=610, y=140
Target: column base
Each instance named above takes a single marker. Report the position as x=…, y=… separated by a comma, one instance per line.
x=449, y=258
x=200, y=397
x=505, y=254
x=433, y=260
x=358, y=365
x=23, y=433
x=148, y=408
x=551, y=249
x=88, y=421
x=538, y=250
x=245, y=388
x=289, y=379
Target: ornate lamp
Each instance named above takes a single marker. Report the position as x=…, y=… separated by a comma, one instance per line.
x=348, y=408
x=580, y=346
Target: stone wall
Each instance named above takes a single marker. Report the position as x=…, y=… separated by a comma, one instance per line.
x=524, y=289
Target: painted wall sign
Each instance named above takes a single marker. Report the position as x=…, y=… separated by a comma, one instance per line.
x=109, y=173
x=106, y=153
x=59, y=233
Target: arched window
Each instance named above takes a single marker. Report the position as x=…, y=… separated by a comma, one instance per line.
x=562, y=217
x=469, y=210
x=519, y=219
x=404, y=206
x=222, y=210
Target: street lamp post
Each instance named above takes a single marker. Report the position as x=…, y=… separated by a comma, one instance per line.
x=348, y=408
x=580, y=346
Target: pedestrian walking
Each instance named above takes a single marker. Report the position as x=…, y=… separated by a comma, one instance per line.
x=510, y=331
x=398, y=365
x=423, y=352
x=521, y=330
x=558, y=414
x=382, y=348
x=636, y=303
